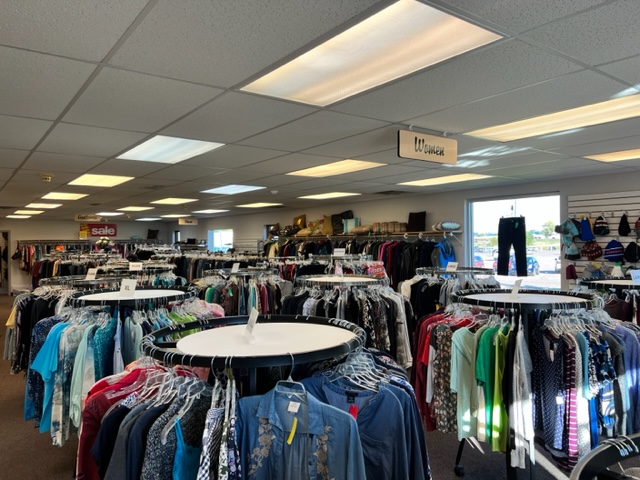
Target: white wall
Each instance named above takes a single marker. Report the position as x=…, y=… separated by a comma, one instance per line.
x=64, y=230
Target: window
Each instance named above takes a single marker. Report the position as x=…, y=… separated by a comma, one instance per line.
x=541, y=215
x=220, y=240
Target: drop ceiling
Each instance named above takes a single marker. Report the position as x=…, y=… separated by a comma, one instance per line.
x=82, y=81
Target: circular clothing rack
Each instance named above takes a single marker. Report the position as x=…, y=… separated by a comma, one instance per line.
x=609, y=282
x=156, y=296
x=465, y=270
x=526, y=299
x=279, y=340
x=330, y=281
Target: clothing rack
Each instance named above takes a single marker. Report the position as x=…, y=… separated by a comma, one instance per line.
x=242, y=272
x=141, y=297
x=462, y=270
x=524, y=301
x=617, y=283
x=597, y=462
x=274, y=334
x=331, y=281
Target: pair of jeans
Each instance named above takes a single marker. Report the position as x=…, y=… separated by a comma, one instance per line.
x=512, y=232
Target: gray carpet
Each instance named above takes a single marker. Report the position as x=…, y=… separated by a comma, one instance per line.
x=28, y=454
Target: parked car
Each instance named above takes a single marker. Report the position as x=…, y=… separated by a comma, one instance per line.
x=478, y=261
x=533, y=267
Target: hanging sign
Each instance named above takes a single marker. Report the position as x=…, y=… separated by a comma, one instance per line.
x=187, y=221
x=419, y=146
x=87, y=217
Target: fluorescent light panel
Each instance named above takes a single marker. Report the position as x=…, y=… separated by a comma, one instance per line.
x=90, y=180
x=258, y=205
x=163, y=149
x=616, y=156
x=403, y=38
x=324, y=196
x=19, y=216
x=175, y=201
x=465, y=177
x=210, y=211
x=134, y=209
x=574, y=118
x=148, y=219
x=43, y=205
x=174, y=215
x=64, y=196
x=109, y=214
x=233, y=189
x=28, y=212
x=336, y=168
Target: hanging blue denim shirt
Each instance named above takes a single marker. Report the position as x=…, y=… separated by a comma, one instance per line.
x=325, y=445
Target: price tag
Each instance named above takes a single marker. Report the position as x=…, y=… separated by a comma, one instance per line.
x=235, y=267
x=293, y=407
x=135, y=266
x=253, y=319
x=635, y=276
x=452, y=267
x=91, y=274
x=516, y=288
x=128, y=288
x=339, y=252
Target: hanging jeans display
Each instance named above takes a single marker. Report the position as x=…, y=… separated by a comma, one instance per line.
x=512, y=232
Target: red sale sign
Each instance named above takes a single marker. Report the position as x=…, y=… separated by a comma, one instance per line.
x=102, y=229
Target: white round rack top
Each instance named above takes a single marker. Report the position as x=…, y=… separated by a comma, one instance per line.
x=617, y=282
x=525, y=298
x=269, y=339
x=339, y=279
x=137, y=295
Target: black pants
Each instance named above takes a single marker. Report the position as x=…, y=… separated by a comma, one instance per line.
x=512, y=232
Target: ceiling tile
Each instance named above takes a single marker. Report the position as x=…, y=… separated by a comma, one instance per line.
x=389, y=157
x=496, y=69
x=235, y=116
x=616, y=145
x=6, y=173
x=136, y=102
x=54, y=162
x=360, y=145
x=627, y=70
x=381, y=173
x=30, y=177
x=21, y=133
x=26, y=93
x=183, y=172
x=12, y=158
x=596, y=133
x=520, y=15
x=263, y=33
x=596, y=36
x=313, y=130
x=91, y=141
x=85, y=29
x=237, y=156
x=569, y=91
x=290, y=163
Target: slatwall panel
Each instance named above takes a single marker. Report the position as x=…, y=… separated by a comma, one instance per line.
x=612, y=206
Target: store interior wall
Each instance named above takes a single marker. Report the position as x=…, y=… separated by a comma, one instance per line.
x=439, y=206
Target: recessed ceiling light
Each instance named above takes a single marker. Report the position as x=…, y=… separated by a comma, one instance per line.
x=465, y=177
x=19, y=216
x=28, y=212
x=174, y=215
x=258, y=205
x=616, y=156
x=233, y=189
x=336, y=168
x=134, y=209
x=405, y=37
x=175, y=201
x=148, y=219
x=324, y=196
x=163, y=149
x=64, y=196
x=109, y=214
x=43, y=205
x=210, y=211
x=90, y=180
x=574, y=118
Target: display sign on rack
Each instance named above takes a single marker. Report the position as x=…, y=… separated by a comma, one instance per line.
x=452, y=267
x=253, y=319
x=91, y=274
x=516, y=288
x=339, y=252
x=235, y=267
x=128, y=288
x=135, y=266
x=635, y=276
